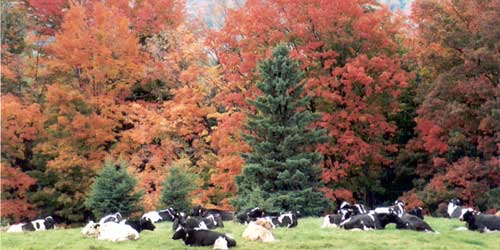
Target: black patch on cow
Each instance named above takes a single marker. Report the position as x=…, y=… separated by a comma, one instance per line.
x=412, y=222
x=28, y=227
x=142, y=224
x=201, y=237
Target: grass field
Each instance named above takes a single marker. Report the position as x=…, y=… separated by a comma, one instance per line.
x=308, y=235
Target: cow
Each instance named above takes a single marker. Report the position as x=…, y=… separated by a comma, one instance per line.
x=334, y=220
x=370, y=221
x=455, y=209
x=398, y=208
x=204, y=212
x=202, y=237
x=161, y=215
x=140, y=225
x=356, y=209
x=116, y=217
x=90, y=230
x=116, y=232
x=286, y=219
x=259, y=230
x=412, y=222
x=250, y=215
x=188, y=222
x=476, y=221
x=37, y=225
x=418, y=211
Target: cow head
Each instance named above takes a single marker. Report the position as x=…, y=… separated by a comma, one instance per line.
x=147, y=224
x=255, y=213
x=49, y=222
x=264, y=223
x=181, y=233
x=456, y=202
x=467, y=214
x=198, y=211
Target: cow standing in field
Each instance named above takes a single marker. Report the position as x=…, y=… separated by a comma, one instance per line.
x=36, y=225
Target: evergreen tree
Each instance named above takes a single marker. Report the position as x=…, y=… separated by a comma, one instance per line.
x=113, y=191
x=280, y=135
x=177, y=189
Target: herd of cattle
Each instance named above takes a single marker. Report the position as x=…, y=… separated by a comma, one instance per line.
x=195, y=229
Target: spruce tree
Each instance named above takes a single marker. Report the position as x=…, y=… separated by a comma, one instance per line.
x=281, y=164
x=177, y=189
x=113, y=191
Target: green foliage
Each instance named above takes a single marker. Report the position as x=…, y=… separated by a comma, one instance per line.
x=177, y=189
x=113, y=191
x=279, y=133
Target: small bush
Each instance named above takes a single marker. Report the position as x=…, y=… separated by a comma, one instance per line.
x=177, y=189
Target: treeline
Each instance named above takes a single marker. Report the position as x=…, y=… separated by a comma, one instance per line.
x=410, y=105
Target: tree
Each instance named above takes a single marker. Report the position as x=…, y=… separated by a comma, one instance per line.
x=353, y=67
x=113, y=191
x=177, y=189
x=279, y=133
x=456, y=150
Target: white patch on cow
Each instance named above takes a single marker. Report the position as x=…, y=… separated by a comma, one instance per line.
x=356, y=230
x=38, y=225
x=116, y=232
x=372, y=217
x=463, y=211
x=344, y=204
x=16, y=228
x=116, y=217
x=220, y=243
x=211, y=217
x=451, y=208
x=153, y=216
x=382, y=210
x=201, y=226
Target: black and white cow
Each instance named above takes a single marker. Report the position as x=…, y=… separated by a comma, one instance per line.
x=202, y=237
x=204, y=212
x=455, y=209
x=370, y=221
x=250, y=215
x=480, y=222
x=161, y=215
x=418, y=211
x=398, y=208
x=116, y=217
x=36, y=225
x=285, y=219
x=412, y=222
x=189, y=222
x=140, y=225
x=355, y=209
x=334, y=220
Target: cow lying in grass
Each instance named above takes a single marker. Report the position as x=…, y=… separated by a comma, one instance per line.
x=370, y=221
x=122, y=231
x=259, y=230
x=480, y=222
x=334, y=220
x=36, y=225
x=202, y=237
x=412, y=222
x=286, y=219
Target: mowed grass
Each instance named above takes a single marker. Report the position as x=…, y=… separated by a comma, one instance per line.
x=308, y=235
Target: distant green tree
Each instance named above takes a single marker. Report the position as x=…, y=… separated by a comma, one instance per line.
x=280, y=134
x=177, y=189
x=113, y=191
